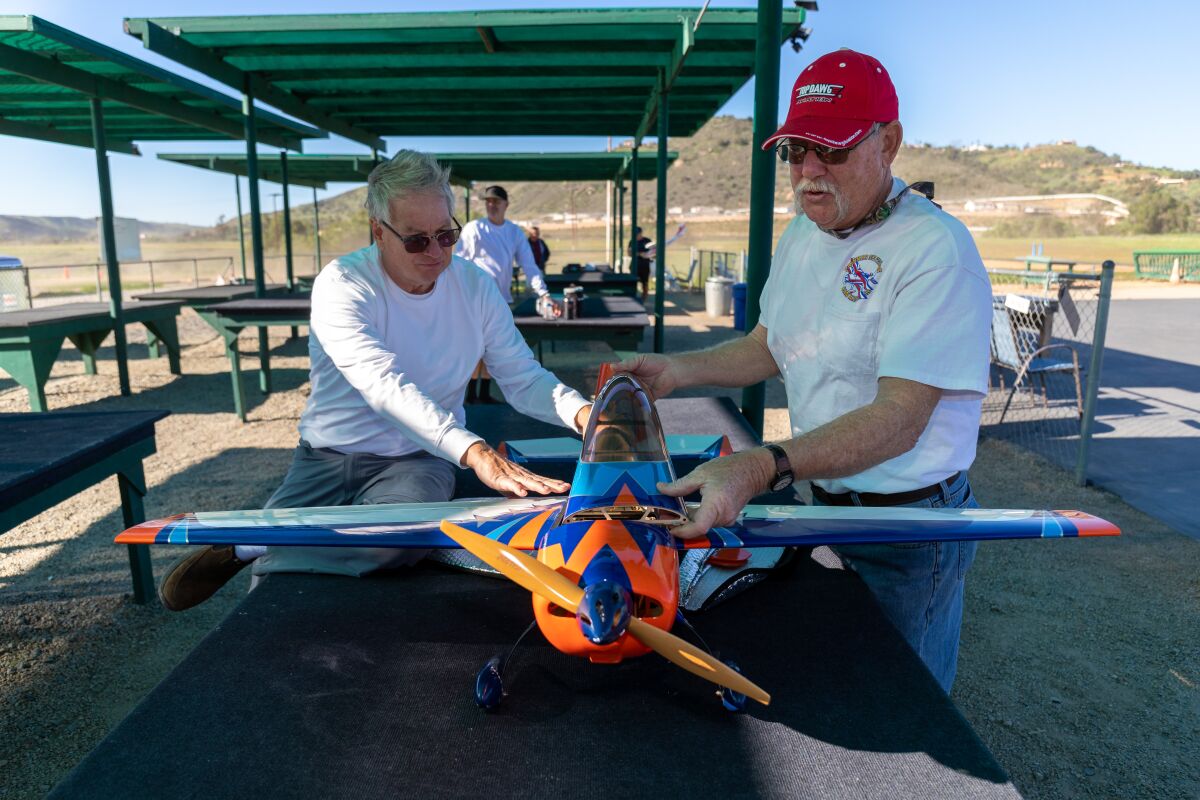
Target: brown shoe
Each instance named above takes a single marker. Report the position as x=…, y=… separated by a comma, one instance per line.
x=197, y=576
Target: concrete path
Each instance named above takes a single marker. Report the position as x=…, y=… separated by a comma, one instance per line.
x=1147, y=443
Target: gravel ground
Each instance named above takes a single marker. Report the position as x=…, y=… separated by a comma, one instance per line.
x=1079, y=663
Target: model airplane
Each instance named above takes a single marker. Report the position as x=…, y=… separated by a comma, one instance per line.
x=605, y=579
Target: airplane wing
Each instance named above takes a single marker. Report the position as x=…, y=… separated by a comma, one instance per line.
x=810, y=526
x=518, y=522
x=701, y=447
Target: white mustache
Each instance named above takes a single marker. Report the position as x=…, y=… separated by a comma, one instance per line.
x=815, y=185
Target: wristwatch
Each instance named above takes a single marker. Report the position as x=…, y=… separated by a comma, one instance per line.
x=783, y=468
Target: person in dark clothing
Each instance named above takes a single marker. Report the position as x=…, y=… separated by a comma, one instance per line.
x=639, y=250
x=541, y=251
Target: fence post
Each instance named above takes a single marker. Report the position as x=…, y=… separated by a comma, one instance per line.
x=195, y=273
x=151, y=263
x=28, y=287
x=1093, y=378
x=99, y=288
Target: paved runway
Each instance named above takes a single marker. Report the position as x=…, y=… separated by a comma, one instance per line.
x=1147, y=443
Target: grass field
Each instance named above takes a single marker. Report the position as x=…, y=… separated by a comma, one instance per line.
x=183, y=263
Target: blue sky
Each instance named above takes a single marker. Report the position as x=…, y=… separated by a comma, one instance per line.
x=1118, y=76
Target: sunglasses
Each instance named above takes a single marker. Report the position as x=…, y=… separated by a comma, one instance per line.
x=793, y=153
x=419, y=242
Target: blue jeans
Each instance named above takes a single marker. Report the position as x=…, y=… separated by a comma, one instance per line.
x=920, y=586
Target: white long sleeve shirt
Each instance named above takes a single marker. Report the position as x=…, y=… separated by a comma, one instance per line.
x=389, y=369
x=493, y=247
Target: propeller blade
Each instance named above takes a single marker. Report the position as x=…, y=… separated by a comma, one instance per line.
x=518, y=567
x=694, y=660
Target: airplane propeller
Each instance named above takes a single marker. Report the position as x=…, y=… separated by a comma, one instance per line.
x=540, y=579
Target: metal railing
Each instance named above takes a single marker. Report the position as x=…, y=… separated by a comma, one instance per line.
x=56, y=283
x=1047, y=348
x=1167, y=264
x=704, y=264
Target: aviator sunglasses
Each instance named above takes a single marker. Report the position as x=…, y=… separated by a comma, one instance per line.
x=419, y=242
x=793, y=153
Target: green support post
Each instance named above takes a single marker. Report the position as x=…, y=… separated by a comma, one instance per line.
x=621, y=224
x=110, y=245
x=660, y=262
x=237, y=188
x=467, y=202
x=633, y=209
x=256, y=235
x=131, y=483
x=371, y=228
x=762, y=184
x=317, y=229
x=1088, y=422
x=287, y=221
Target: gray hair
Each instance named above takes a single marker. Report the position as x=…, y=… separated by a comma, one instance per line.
x=406, y=173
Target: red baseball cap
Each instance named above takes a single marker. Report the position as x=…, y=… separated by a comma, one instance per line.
x=837, y=99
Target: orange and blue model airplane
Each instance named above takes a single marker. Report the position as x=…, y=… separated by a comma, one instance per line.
x=605, y=574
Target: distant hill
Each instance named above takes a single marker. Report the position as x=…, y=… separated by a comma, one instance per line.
x=78, y=229
x=713, y=172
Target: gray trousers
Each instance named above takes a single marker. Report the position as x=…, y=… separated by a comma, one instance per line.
x=320, y=477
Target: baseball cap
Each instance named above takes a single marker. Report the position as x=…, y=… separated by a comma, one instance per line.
x=836, y=100
x=496, y=191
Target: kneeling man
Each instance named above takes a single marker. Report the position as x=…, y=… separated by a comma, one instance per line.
x=397, y=329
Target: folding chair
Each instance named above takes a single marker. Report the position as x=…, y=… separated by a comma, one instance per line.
x=1006, y=353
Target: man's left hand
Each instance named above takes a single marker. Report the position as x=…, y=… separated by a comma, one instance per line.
x=726, y=485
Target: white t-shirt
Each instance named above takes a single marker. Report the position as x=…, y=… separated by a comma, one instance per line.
x=389, y=368
x=907, y=298
x=493, y=247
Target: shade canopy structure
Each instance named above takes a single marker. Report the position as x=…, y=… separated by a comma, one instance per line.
x=48, y=76
x=489, y=73
x=319, y=169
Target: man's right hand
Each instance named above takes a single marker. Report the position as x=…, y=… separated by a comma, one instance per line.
x=658, y=373
x=512, y=480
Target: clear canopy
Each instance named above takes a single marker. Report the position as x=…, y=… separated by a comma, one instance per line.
x=624, y=425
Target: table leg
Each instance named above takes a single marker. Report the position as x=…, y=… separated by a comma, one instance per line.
x=235, y=366
x=132, y=483
x=165, y=330
x=151, y=340
x=29, y=364
x=87, y=343
x=264, y=361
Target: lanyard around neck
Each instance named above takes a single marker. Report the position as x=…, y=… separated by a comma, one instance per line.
x=884, y=211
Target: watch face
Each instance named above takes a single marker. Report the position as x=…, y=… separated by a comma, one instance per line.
x=782, y=482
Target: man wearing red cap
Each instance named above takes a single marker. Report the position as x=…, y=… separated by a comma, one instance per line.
x=876, y=316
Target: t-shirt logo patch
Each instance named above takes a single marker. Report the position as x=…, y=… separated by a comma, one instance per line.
x=861, y=277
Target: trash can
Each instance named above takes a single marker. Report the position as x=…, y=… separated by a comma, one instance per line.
x=718, y=294
x=739, y=306
x=14, y=291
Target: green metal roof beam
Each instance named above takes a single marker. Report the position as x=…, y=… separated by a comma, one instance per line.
x=323, y=25
x=683, y=46
x=48, y=134
x=69, y=63
x=44, y=69
x=177, y=49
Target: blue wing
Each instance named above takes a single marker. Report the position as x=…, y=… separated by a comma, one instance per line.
x=810, y=526
x=518, y=522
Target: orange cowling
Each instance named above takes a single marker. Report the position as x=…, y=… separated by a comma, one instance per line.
x=657, y=582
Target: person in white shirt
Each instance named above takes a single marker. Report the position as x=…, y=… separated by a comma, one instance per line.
x=493, y=243
x=876, y=316
x=396, y=330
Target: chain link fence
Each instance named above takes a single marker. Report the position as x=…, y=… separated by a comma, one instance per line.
x=1047, y=347
x=704, y=264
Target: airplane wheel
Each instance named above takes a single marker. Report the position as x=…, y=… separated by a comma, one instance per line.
x=733, y=701
x=489, y=687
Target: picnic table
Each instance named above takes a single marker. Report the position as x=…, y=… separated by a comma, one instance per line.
x=1048, y=263
x=231, y=318
x=618, y=321
x=333, y=687
x=602, y=281
x=48, y=457
x=31, y=340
